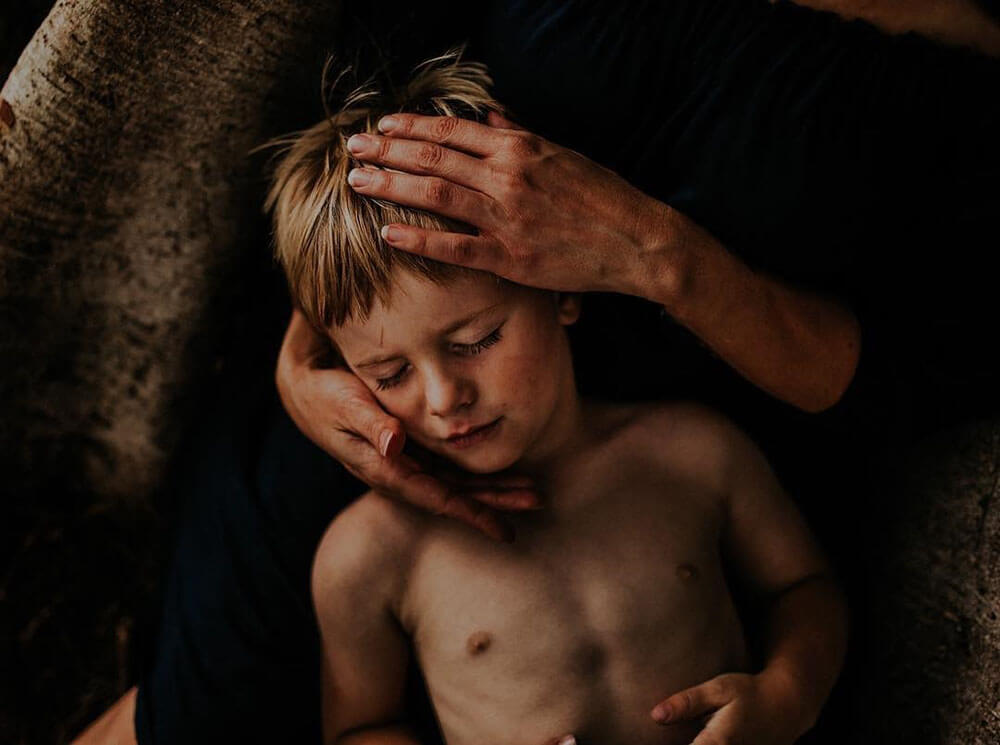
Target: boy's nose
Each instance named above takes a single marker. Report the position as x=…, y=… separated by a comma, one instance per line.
x=447, y=395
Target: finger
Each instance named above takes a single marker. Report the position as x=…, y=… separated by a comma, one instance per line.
x=494, y=480
x=460, y=134
x=692, y=702
x=507, y=492
x=425, y=192
x=509, y=500
x=412, y=485
x=499, y=121
x=471, y=251
x=428, y=158
x=365, y=418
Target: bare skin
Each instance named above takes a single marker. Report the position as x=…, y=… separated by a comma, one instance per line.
x=609, y=617
x=116, y=726
x=302, y=380
x=768, y=330
x=955, y=22
x=548, y=217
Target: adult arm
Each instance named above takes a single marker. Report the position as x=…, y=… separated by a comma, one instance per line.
x=772, y=549
x=955, y=22
x=549, y=217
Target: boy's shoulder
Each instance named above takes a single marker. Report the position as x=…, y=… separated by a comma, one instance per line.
x=366, y=547
x=679, y=436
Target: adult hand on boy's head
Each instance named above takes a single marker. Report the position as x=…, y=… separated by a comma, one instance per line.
x=546, y=216
x=335, y=410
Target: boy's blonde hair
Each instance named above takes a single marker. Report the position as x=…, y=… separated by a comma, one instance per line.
x=326, y=236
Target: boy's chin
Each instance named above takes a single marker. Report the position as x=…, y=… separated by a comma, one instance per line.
x=483, y=460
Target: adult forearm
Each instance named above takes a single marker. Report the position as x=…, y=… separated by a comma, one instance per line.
x=797, y=345
x=956, y=22
x=807, y=639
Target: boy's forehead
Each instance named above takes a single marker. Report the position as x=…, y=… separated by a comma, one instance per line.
x=419, y=307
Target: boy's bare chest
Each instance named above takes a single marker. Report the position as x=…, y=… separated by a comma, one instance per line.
x=611, y=595
x=604, y=569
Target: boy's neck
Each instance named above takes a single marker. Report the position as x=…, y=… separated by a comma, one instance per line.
x=562, y=437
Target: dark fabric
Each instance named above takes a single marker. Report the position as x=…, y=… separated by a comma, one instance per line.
x=237, y=656
x=818, y=150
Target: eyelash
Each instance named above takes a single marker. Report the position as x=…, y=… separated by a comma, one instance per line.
x=466, y=350
x=479, y=346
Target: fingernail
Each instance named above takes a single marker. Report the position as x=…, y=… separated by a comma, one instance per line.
x=391, y=234
x=384, y=441
x=358, y=143
x=567, y=740
x=387, y=124
x=661, y=713
x=359, y=177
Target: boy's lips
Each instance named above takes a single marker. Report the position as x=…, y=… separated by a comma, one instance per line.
x=471, y=435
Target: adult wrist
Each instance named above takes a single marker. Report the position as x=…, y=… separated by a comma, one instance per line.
x=664, y=266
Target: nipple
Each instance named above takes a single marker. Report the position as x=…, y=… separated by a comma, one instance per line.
x=479, y=642
x=687, y=571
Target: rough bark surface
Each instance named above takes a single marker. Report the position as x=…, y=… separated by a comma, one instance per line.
x=936, y=621
x=131, y=245
x=128, y=216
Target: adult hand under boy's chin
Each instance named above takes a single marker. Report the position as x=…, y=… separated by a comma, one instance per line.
x=738, y=709
x=546, y=215
x=335, y=410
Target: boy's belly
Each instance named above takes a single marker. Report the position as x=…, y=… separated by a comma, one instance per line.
x=601, y=695
x=520, y=649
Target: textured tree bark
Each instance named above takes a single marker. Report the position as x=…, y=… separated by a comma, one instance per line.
x=129, y=219
x=934, y=675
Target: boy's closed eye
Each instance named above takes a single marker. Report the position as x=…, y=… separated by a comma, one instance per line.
x=464, y=350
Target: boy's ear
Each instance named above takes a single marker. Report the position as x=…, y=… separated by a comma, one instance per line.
x=568, y=307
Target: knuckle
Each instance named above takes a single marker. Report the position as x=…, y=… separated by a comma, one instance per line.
x=686, y=701
x=382, y=180
x=716, y=688
x=439, y=192
x=461, y=249
x=511, y=182
x=384, y=149
x=525, y=145
x=429, y=155
x=448, y=504
x=418, y=241
x=444, y=127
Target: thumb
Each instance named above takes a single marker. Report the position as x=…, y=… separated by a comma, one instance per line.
x=499, y=121
x=370, y=421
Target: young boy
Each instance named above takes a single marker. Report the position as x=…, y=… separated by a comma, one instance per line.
x=609, y=617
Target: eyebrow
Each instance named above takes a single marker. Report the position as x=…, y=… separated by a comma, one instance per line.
x=449, y=329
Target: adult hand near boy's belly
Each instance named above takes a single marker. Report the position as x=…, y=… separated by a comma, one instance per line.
x=335, y=410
